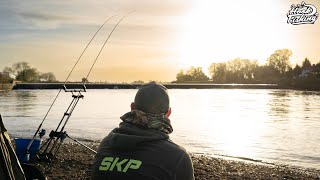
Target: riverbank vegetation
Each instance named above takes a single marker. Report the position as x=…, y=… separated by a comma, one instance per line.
x=276, y=70
x=24, y=72
x=5, y=78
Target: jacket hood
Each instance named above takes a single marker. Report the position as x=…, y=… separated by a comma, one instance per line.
x=129, y=136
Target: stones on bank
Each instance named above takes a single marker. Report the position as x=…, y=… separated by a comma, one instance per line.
x=74, y=162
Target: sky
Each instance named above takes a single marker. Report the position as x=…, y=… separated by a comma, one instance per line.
x=154, y=42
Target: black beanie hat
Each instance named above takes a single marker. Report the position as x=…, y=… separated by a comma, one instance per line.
x=152, y=98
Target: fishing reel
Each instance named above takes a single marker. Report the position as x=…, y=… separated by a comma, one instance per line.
x=48, y=150
x=42, y=133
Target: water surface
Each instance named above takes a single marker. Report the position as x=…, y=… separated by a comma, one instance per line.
x=279, y=126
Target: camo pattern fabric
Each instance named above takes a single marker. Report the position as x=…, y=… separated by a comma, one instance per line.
x=153, y=121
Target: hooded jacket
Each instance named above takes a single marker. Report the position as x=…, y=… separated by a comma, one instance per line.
x=133, y=153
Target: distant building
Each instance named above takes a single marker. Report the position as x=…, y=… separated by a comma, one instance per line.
x=316, y=70
x=307, y=71
x=6, y=74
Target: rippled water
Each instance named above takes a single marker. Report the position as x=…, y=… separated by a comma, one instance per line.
x=270, y=125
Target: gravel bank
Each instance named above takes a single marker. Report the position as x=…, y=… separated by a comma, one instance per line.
x=74, y=162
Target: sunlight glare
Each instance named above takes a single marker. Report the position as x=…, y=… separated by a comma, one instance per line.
x=236, y=130
x=215, y=31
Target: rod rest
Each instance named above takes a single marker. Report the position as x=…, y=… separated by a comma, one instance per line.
x=84, y=89
x=78, y=96
x=61, y=135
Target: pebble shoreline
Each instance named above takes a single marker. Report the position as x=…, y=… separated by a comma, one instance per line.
x=74, y=162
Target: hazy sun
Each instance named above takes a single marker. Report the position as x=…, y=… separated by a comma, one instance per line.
x=215, y=31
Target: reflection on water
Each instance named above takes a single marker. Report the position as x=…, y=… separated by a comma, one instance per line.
x=19, y=103
x=280, y=103
x=269, y=125
x=26, y=100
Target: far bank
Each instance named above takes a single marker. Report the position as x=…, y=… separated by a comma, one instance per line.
x=19, y=86
x=296, y=85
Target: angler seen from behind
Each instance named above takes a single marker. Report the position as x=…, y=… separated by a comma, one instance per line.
x=140, y=148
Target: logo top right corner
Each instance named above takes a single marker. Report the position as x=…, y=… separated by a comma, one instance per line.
x=302, y=14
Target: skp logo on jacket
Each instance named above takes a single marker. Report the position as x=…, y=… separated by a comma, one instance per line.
x=109, y=163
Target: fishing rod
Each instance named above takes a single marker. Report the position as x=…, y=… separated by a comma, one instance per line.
x=55, y=99
x=52, y=145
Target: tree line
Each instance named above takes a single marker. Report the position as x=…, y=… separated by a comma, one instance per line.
x=23, y=71
x=277, y=68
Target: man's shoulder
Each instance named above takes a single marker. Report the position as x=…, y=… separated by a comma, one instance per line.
x=171, y=151
x=179, y=161
x=170, y=145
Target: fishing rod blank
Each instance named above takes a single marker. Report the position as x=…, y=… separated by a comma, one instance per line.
x=51, y=151
x=39, y=127
x=106, y=42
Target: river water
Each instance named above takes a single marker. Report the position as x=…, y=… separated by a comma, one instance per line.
x=278, y=126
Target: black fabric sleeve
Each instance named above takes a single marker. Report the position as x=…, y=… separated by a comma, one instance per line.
x=185, y=168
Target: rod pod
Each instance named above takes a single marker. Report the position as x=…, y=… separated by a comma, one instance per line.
x=50, y=148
